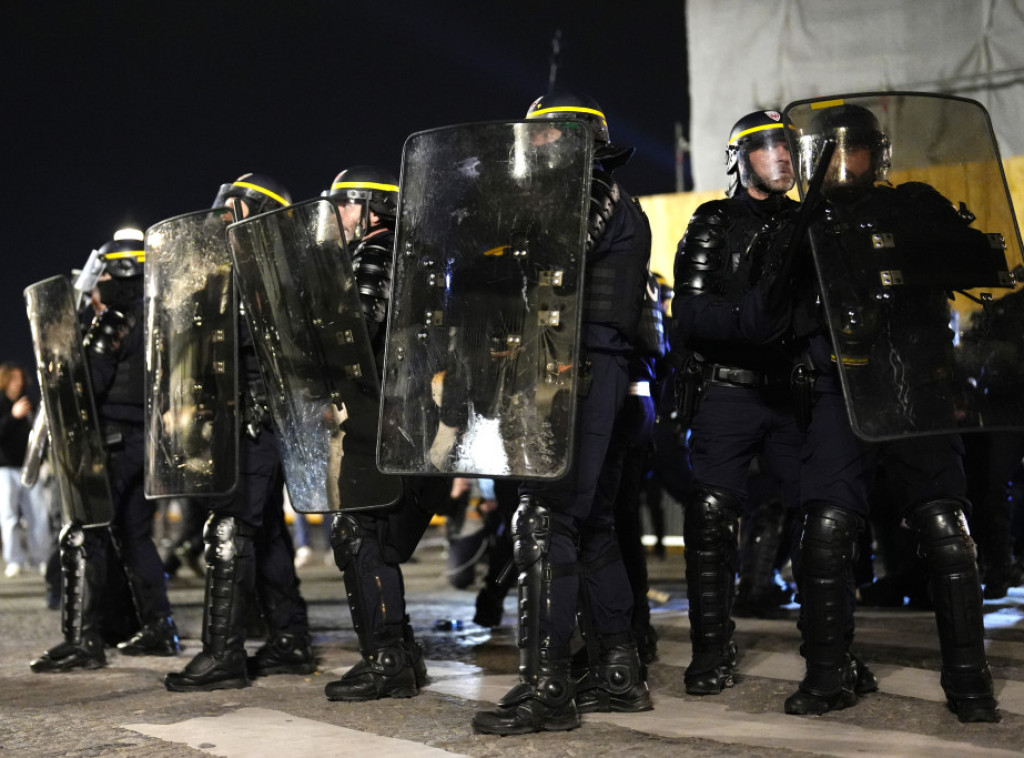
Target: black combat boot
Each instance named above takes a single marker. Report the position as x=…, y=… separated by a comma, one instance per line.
x=614, y=684
x=155, y=638
x=230, y=575
x=283, y=654
x=950, y=554
x=710, y=534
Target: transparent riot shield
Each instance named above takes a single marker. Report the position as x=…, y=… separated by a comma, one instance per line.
x=295, y=279
x=483, y=358
x=918, y=255
x=192, y=417
x=78, y=454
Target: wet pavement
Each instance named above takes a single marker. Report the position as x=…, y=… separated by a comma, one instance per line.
x=124, y=710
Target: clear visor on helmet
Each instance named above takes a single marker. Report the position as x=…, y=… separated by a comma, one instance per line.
x=860, y=158
x=764, y=139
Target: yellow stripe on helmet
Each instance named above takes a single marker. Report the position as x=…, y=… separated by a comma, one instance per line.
x=567, y=108
x=262, y=191
x=365, y=185
x=760, y=128
x=139, y=255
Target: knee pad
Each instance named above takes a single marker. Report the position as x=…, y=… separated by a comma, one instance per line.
x=346, y=539
x=944, y=539
x=225, y=538
x=72, y=545
x=531, y=532
x=711, y=520
x=828, y=544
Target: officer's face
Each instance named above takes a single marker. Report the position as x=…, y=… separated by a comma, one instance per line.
x=351, y=216
x=772, y=170
x=851, y=164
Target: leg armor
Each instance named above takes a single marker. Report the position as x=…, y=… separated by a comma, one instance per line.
x=392, y=664
x=709, y=528
x=230, y=577
x=544, y=699
x=761, y=535
x=83, y=645
x=825, y=581
x=949, y=553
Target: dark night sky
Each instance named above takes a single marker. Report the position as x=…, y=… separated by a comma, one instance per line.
x=131, y=112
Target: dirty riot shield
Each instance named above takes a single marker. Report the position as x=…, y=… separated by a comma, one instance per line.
x=78, y=453
x=192, y=416
x=296, y=282
x=483, y=358
x=921, y=275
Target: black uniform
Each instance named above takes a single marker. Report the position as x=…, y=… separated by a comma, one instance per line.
x=249, y=554
x=370, y=546
x=114, y=350
x=925, y=473
x=745, y=407
x=566, y=545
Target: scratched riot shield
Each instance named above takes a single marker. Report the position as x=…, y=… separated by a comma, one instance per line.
x=295, y=279
x=918, y=255
x=192, y=418
x=483, y=360
x=78, y=453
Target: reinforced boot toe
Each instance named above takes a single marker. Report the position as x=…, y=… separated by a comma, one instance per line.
x=615, y=684
x=526, y=709
x=823, y=690
x=970, y=696
x=67, y=656
x=389, y=672
x=208, y=672
x=712, y=671
x=156, y=638
x=283, y=654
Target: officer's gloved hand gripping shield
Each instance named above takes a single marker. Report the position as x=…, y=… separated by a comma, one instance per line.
x=79, y=455
x=918, y=257
x=192, y=414
x=483, y=360
x=295, y=279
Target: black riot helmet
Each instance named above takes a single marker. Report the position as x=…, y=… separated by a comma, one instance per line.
x=259, y=192
x=567, y=105
x=862, y=155
x=562, y=105
x=373, y=189
x=124, y=255
x=755, y=131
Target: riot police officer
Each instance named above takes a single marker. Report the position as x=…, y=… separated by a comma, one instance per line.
x=114, y=351
x=886, y=338
x=249, y=552
x=744, y=408
x=565, y=543
x=370, y=546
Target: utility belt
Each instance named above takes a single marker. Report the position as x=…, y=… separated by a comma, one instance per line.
x=714, y=373
x=696, y=375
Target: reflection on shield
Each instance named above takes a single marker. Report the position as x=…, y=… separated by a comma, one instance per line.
x=919, y=259
x=295, y=279
x=79, y=457
x=192, y=420
x=483, y=354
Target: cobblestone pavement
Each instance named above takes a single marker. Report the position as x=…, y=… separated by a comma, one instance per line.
x=123, y=710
